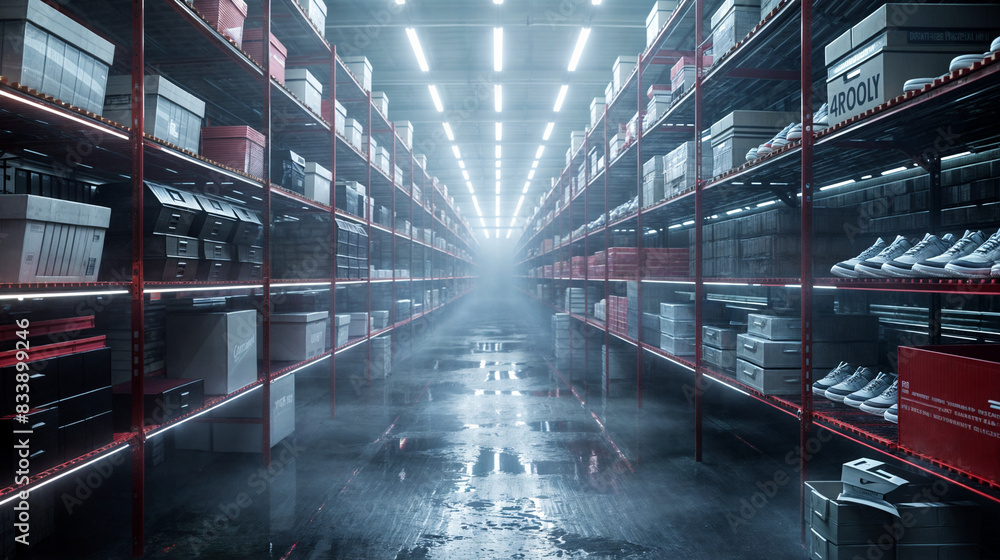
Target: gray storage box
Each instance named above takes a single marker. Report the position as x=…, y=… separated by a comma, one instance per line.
x=172, y=114
x=404, y=129
x=678, y=346
x=899, y=42
x=770, y=381
x=725, y=360
x=937, y=523
x=49, y=240
x=296, y=337
x=342, y=326
x=316, y=9
x=216, y=221
x=359, y=324
x=362, y=70
x=736, y=133
x=820, y=548
x=772, y=354
x=842, y=523
x=773, y=327
x=684, y=329
x=657, y=18
x=718, y=337
x=220, y=348
x=318, y=181
x=677, y=311
x=47, y=51
x=732, y=22
x=306, y=87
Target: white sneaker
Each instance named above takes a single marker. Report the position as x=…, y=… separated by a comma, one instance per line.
x=878, y=405
x=821, y=119
x=995, y=271
x=836, y=375
x=845, y=269
x=857, y=381
x=781, y=139
x=764, y=149
x=980, y=262
x=752, y=154
x=892, y=414
x=875, y=388
x=934, y=266
x=795, y=133
x=929, y=246
x=872, y=268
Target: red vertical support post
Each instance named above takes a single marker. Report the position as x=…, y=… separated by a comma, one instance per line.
x=265, y=373
x=137, y=295
x=640, y=254
x=333, y=230
x=368, y=222
x=413, y=219
x=607, y=284
x=586, y=273
x=699, y=217
x=805, y=424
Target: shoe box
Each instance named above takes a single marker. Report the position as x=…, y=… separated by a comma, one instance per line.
x=296, y=337
x=359, y=325
x=47, y=41
x=354, y=132
x=172, y=114
x=731, y=23
x=736, y=133
x=239, y=147
x=381, y=356
x=964, y=433
x=362, y=70
x=50, y=240
x=235, y=428
x=219, y=347
x=404, y=129
x=899, y=42
x=342, y=323
x=338, y=118
x=305, y=87
x=657, y=18
x=317, y=183
x=163, y=400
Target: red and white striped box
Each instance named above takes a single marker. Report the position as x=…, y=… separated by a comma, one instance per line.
x=225, y=15
x=253, y=46
x=239, y=147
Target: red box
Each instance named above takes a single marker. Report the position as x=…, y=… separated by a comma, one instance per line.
x=253, y=45
x=239, y=147
x=225, y=15
x=949, y=406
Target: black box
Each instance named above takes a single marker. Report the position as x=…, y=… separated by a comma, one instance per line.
x=43, y=384
x=43, y=441
x=216, y=222
x=165, y=400
x=216, y=259
x=288, y=170
x=249, y=263
x=248, y=229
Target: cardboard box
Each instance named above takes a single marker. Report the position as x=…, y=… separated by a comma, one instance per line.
x=770, y=381
x=318, y=180
x=359, y=324
x=253, y=44
x=597, y=106
x=736, y=133
x=899, y=42
x=342, y=324
x=226, y=15
x=296, y=337
x=316, y=10
x=56, y=55
x=404, y=129
x=964, y=433
x=624, y=65
x=172, y=114
x=769, y=354
x=362, y=70
x=306, y=87
x=657, y=18
x=381, y=102
x=220, y=348
x=874, y=484
x=239, y=147
x=731, y=23
x=49, y=240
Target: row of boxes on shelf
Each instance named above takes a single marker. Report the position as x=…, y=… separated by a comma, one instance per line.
x=621, y=262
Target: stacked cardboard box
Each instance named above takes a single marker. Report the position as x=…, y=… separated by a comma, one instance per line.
x=576, y=298
x=680, y=167
x=677, y=328
x=381, y=351
x=652, y=181
x=731, y=23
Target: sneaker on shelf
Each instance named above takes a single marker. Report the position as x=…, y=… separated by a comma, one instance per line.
x=845, y=269
x=965, y=61
x=836, y=375
x=857, y=381
x=892, y=414
x=821, y=118
x=995, y=45
x=878, y=405
x=764, y=149
x=872, y=268
x=752, y=154
x=795, y=133
x=781, y=140
x=873, y=389
x=995, y=271
x=934, y=266
x=929, y=246
x=917, y=84
x=980, y=262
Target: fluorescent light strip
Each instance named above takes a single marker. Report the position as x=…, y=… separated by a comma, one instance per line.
x=469, y=184
x=541, y=150
x=203, y=412
x=102, y=128
x=560, y=98
x=498, y=187
x=498, y=98
x=548, y=131
x=497, y=49
x=498, y=127
x=497, y=151
x=894, y=170
x=461, y=164
x=534, y=164
x=527, y=186
x=498, y=164
x=953, y=156
x=202, y=289
x=498, y=174
x=465, y=175
x=531, y=174
x=458, y=154
x=436, y=98
x=61, y=294
x=295, y=285
x=448, y=132
x=835, y=185
x=50, y=480
x=581, y=42
x=411, y=33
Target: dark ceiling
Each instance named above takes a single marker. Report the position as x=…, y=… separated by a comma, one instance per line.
x=457, y=38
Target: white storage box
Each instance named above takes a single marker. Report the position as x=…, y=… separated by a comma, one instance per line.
x=359, y=324
x=657, y=18
x=421, y=160
x=620, y=72
x=342, y=326
x=298, y=336
x=770, y=381
x=899, y=42
x=362, y=70
x=609, y=93
x=354, y=133
x=680, y=167
x=220, y=348
x=677, y=311
x=678, y=346
x=381, y=159
x=49, y=240
x=172, y=114
x=597, y=106
x=770, y=354
x=380, y=320
x=732, y=22
x=47, y=51
x=381, y=102
x=576, y=140
x=675, y=328
x=724, y=360
x=318, y=180
x=306, y=87
x=773, y=327
x=316, y=10
x=404, y=129
x=718, y=337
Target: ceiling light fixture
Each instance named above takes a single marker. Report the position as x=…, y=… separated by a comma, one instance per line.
x=595, y=2
x=471, y=190
x=448, y=132
x=548, y=131
x=498, y=174
x=411, y=33
x=461, y=164
x=560, y=98
x=498, y=164
x=531, y=174
x=534, y=164
x=437, y=99
x=499, y=131
x=465, y=175
x=498, y=187
x=497, y=49
x=498, y=151
x=541, y=150
x=581, y=42
x=454, y=150
x=498, y=98
x=527, y=185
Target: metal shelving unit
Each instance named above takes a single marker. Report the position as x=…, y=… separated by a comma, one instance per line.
x=777, y=60
x=170, y=37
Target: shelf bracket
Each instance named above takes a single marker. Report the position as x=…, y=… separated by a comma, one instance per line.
x=785, y=193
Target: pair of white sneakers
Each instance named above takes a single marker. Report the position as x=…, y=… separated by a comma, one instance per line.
x=972, y=256
x=863, y=388
x=789, y=134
